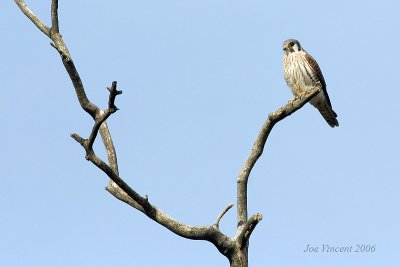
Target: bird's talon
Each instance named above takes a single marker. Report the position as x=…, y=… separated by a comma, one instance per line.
x=291, y=101
x=302, y=95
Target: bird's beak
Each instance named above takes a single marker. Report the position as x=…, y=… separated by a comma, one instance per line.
x=285, y=47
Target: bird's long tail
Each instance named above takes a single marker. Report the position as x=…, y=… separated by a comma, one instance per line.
x=327, y=112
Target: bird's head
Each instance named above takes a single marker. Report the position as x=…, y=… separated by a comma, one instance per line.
x=291, y=46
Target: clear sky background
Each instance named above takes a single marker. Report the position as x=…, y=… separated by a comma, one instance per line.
x=199, y=79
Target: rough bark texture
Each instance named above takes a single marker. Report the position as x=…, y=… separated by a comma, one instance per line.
x=234, y=248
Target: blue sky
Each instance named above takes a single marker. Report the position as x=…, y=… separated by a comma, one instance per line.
x=199, y=79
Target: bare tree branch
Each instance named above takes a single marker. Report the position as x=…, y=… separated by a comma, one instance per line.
x=258, y=149
x=54, y=16
x=109, y=147
x=30, y=15
x=247, y=229
x=208, y=233
x=58, y=43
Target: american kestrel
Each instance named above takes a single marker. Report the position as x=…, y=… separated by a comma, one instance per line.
x=301, y=73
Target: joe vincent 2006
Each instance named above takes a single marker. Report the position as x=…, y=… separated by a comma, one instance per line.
x=328, y=248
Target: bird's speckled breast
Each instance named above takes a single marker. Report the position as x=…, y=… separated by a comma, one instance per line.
x=298, y=74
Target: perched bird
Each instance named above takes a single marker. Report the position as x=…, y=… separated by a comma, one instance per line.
x=302, y=73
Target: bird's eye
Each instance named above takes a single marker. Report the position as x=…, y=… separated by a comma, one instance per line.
x=291, y=44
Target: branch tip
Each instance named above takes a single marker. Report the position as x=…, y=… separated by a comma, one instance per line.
x=248, y=229
x=78, y=139
x=113, y=94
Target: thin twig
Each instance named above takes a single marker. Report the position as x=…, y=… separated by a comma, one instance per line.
x=216, y=224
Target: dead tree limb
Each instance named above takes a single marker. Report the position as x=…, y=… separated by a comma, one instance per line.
x=234, y=248
x=258, y=149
